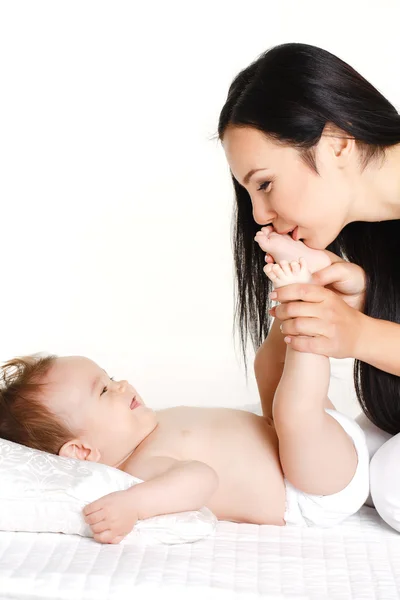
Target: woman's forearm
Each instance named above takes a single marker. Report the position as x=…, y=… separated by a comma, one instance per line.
x=268, y=366
x=378, y=344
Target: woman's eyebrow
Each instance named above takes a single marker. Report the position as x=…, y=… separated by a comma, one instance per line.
x=251, y=173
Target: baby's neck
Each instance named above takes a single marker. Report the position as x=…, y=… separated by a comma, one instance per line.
x=136, y=450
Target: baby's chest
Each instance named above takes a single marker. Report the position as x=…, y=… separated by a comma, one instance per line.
x=177, y=442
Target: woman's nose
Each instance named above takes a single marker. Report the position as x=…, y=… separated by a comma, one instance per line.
x=262, y=214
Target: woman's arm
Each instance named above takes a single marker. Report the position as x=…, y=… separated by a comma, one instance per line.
x=378, y=344
x=268, y=366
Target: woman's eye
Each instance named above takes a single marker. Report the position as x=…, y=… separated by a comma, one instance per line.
x=263, y=186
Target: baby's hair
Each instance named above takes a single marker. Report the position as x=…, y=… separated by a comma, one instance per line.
x=24, y=418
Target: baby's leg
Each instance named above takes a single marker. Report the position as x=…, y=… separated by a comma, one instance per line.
x=316, y=454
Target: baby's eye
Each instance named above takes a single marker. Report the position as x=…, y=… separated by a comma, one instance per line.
x=105, y=388
x=263, y=186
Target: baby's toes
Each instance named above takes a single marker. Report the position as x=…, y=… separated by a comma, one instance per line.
x=267, y=230
x=277, y=270
x=285, y=267
x=261, y=240
x=268, y=268
x=269, y=272
x=295, y=266
x=303, y=264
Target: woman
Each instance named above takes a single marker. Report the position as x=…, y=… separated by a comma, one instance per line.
x=314, y=149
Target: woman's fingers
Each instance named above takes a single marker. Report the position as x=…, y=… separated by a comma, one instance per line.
x=306, y=292
x=294, y=310
x=305, y=326
x=312, y=345
x=335, y=273
x=345, y=279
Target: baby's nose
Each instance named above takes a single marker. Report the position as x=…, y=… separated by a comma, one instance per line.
x=123, y=385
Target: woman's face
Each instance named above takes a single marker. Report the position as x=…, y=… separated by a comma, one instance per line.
x=285, y=191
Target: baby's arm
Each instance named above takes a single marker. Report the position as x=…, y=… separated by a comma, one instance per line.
x=170, y=486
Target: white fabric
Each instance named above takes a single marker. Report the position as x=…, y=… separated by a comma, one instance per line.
x=375, y=439
x=385, y=481
x=357, y=560
x=42, y=492
x=326, y=511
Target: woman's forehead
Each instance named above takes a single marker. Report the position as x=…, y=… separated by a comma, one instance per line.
x=248, y=149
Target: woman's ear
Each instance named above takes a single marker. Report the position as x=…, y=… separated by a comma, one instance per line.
x=339, y=143
x=80, y=450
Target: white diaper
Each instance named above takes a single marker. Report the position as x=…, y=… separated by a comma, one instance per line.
x=325, y=511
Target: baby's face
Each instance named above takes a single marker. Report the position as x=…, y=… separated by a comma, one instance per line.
x=108, y=416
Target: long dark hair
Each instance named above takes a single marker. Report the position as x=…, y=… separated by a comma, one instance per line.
x=290, y=93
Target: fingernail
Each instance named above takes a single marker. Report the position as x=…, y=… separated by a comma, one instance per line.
x=272, y=295
x=287, y=339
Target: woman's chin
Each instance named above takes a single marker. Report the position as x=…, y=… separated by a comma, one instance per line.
x=314, y=243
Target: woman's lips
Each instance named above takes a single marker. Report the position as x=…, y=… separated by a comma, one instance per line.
x=134, y=403
x=295, y=234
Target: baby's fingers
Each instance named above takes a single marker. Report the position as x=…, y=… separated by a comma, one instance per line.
x=117, y=539
x=94, y=517
x=99, y=527
x=105, y=537
x=93, y=507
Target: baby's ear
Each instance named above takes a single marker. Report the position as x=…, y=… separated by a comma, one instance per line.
x=80, y=450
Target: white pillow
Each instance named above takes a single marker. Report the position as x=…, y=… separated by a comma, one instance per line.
x=41, y=492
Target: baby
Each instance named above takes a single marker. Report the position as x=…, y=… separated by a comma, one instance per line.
x=307, y=466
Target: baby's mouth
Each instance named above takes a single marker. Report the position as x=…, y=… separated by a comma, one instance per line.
x=134, y=403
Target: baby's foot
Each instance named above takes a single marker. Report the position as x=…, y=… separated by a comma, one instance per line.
x=285, y=273
x=283, y=247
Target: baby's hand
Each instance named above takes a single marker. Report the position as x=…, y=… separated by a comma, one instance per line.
x=111, y=517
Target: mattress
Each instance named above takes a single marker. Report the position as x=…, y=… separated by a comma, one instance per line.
x=360, y=560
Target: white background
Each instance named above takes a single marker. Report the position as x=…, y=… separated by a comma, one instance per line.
x=115, y=200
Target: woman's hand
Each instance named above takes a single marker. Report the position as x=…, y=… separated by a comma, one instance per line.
x=346, y=279
x=317, y=320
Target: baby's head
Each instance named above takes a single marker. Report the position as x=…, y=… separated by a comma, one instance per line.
x=70, y=406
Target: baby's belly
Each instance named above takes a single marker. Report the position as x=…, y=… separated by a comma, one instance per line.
x=243, y=450
x=252, y=489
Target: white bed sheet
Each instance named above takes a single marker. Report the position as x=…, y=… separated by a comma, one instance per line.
x=359, y=560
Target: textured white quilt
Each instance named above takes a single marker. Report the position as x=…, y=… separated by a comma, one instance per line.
x=359, y=560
